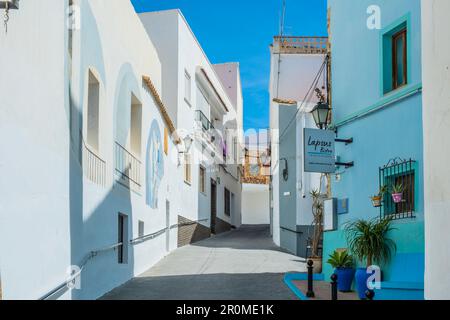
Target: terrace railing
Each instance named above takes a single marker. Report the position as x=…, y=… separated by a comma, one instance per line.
x=204, y=121
x=128, y=166
x=311, y=45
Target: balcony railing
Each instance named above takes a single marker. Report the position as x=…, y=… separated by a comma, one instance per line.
x=301, y=44
x=206, y=124
x=128, y=167
x=94, y=168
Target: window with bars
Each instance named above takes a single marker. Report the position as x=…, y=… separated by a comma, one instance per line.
x=227, y=202
x=202, y=178
x=399, y=179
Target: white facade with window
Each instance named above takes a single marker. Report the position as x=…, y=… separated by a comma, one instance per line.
x=203, y=106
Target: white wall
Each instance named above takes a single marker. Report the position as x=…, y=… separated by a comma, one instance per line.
x=290, y=79
x=436, y=121
x=34, y=139
x=255, y=204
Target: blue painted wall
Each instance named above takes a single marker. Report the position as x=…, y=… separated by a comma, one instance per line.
x=392, y=131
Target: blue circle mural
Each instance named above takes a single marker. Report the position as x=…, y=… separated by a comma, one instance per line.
x=155, y=165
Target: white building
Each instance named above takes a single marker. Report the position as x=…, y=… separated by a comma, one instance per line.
x=208, y=107
x=436, y=120
x=91, y=184
x=295, y=63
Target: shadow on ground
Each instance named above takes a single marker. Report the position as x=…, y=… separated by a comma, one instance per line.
x=263, y=286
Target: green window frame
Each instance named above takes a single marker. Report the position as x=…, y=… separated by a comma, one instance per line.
x=395, y=50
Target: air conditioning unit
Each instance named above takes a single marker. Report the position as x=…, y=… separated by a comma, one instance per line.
x=12, y=4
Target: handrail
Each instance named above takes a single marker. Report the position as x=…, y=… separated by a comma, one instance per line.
x=72, y=278
x=156, y=234
x=128, y=152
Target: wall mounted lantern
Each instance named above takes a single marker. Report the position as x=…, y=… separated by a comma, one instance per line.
x=321, y=114
x=7, y=5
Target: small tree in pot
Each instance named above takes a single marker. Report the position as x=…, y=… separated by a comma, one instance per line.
x=342, y=263
x=317, y=211
x=368, y=241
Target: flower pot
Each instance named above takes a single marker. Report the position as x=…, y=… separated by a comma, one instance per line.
x=397, y=197
x=345, y=278
x=376, y=201
x=361, y=277
x=317, y=266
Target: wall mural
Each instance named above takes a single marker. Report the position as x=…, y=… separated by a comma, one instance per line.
x=155, y=164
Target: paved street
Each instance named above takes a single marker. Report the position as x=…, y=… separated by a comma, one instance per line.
x=243, y=264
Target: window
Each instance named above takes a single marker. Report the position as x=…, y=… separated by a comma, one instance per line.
x=235, y=150
x=187, y=168
x=141, y=229
x=135, y=126
x=166, y=141
x=122, y=239
x=202, y=179
x=399, y=59
x=187, y=87
x=395, y=56
x=227, y=202
x=93, y=118
x=400, y=173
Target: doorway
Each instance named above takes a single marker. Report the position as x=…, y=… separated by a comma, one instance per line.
x=122, y=239
x=213, y=206
x=167, y=226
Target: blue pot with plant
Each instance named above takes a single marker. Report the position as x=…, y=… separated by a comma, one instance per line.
x=368, y=241
x=342, y=262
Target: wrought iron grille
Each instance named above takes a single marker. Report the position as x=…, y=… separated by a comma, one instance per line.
x=401, y=173
x=128, y=167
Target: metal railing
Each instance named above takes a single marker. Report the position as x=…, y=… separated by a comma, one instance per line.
x=127, y=166
x=73, y=277
x=156, y=234
x=94, y=168
x=203, y=119
x=302, y=44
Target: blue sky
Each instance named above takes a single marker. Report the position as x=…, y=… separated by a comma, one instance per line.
x=241, y=31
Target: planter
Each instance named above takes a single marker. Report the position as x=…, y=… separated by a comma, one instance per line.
x=397, y=197
x=345, y=278
x=361, y=277
x=317, y=266
x=376, y=201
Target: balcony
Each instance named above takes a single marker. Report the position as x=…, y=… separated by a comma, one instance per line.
x=302, y=45
x=203, y=120
x=128, y=167
x=94, y=168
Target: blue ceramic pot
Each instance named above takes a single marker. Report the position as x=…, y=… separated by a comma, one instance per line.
x=345, y=278
x=361, y=277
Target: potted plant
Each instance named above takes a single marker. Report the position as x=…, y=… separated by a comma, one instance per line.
x=368, y=241
x=317, y=210
x=397, y=192
x=376, y=199
x=342, y=262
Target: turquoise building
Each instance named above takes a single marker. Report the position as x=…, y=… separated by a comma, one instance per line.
x=377, y=101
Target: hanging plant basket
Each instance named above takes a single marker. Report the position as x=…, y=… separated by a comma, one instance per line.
x=376, y=201
x=397, y=197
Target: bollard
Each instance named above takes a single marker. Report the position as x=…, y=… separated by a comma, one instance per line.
x=370, y=294
x=334, y=293
x=310, y=293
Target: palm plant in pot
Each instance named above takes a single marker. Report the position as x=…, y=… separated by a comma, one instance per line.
x=397, y=193
x=342, y=262
x=376, y=199
x=368, y=241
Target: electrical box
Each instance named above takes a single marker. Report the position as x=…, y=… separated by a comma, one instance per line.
x=12, y=4
x=330, y=222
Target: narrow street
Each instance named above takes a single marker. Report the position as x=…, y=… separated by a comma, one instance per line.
x=243, y=264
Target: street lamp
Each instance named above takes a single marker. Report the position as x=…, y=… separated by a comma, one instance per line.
x=321, y=114
x=187, y=143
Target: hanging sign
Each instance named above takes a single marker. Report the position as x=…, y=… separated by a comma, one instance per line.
x=319, y=151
